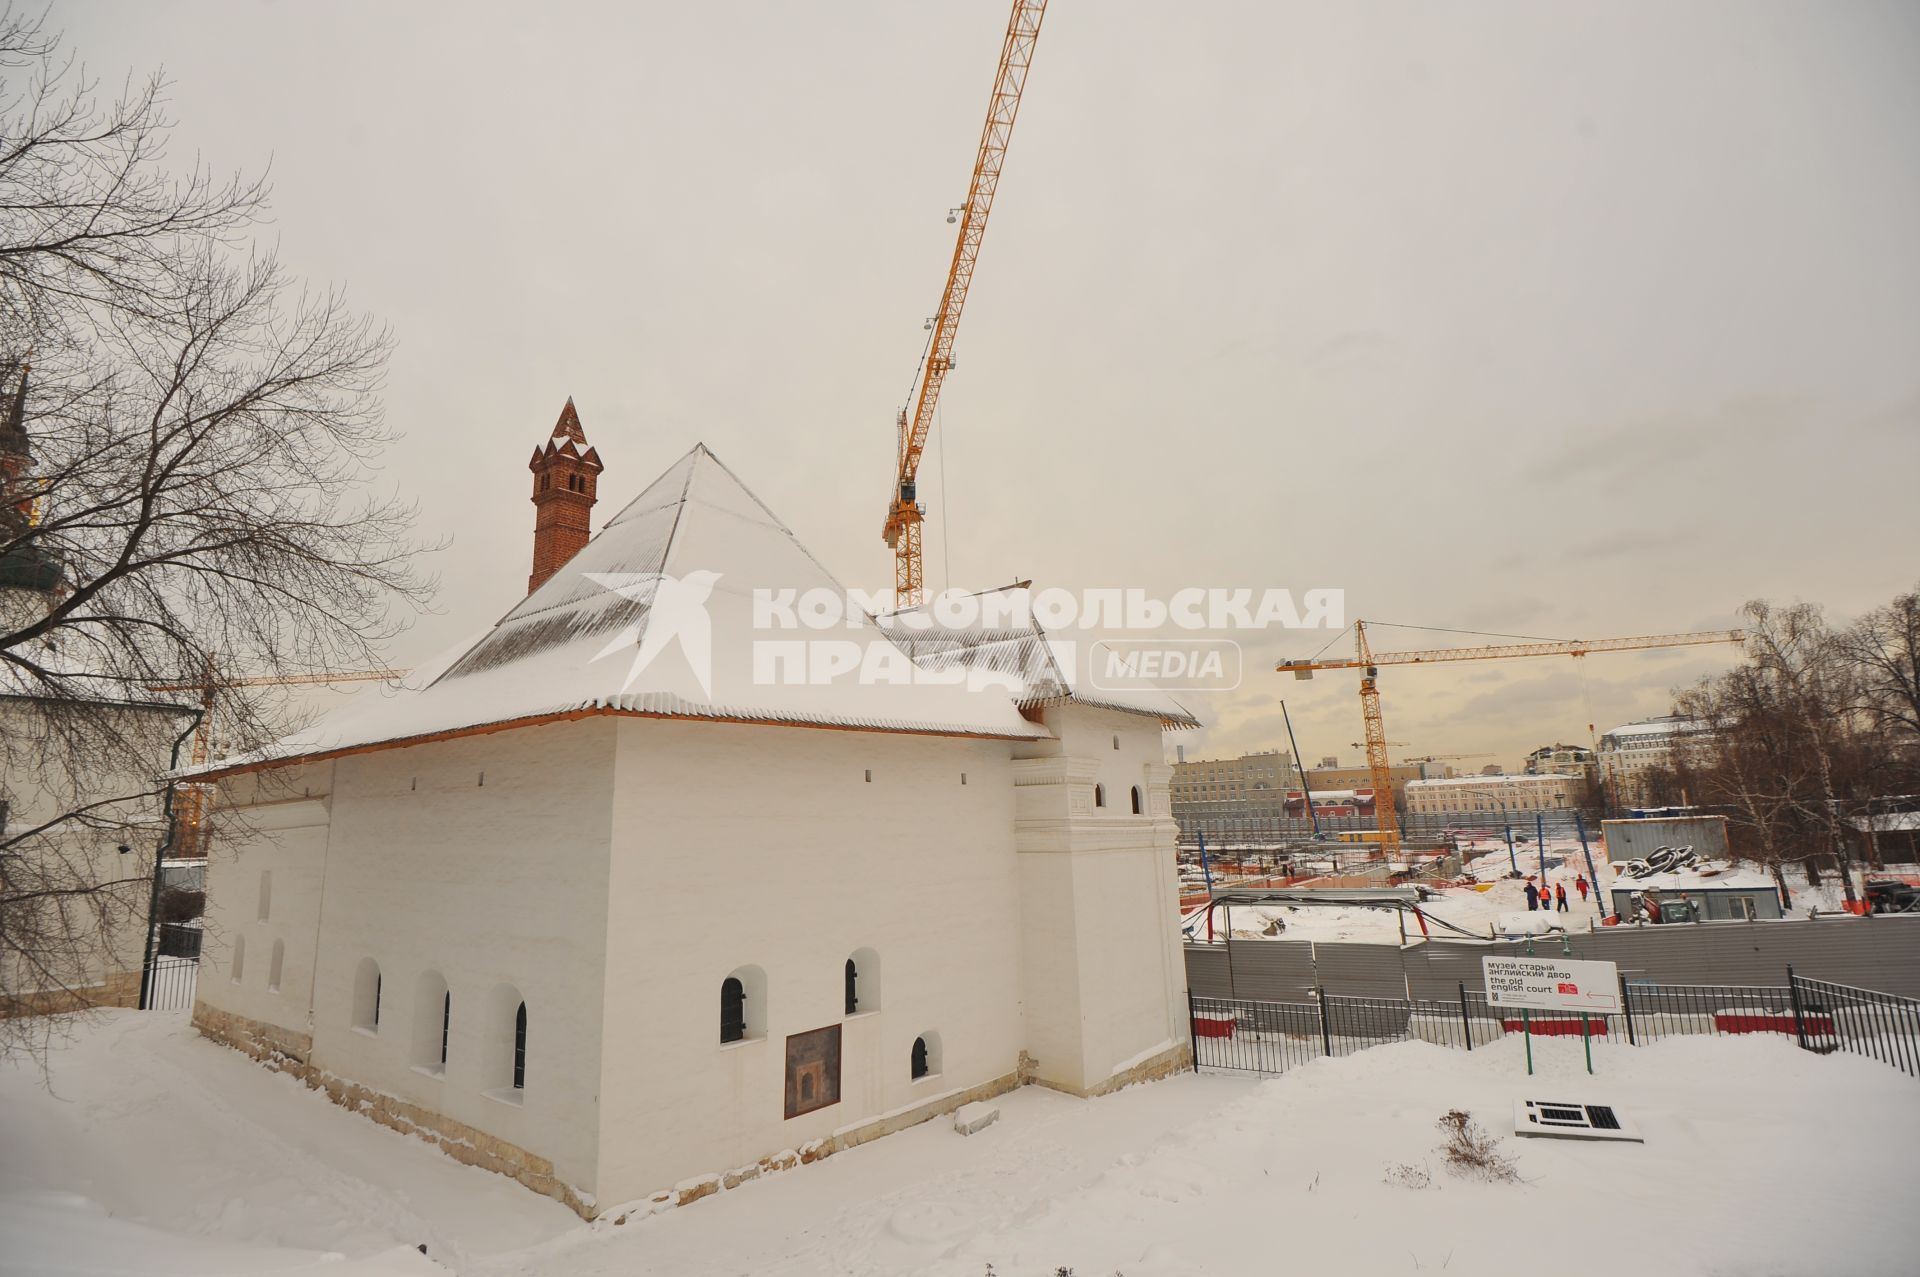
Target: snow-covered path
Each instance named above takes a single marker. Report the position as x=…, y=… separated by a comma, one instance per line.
x=1760, y=1158
x=162, y=1127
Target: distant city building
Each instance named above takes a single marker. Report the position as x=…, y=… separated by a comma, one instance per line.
x=1493, y=769
x=1331, y=802
x=1329, y=779
x=1232, y=795
x=1570, y=760
x=1630, y=752
x=1492, y=795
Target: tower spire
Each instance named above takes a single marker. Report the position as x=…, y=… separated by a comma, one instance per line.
x=566, y=476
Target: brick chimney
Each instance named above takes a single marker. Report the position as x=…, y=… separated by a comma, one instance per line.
x=565, y=474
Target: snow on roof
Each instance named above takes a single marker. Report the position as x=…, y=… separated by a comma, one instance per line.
x=1655, y=727
x=1698, y=878
x=1035, y=667
x=1438, y=781
x=623, y=629
x=40, y=670
x=1888, y=823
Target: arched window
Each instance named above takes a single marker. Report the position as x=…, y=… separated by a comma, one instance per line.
x=743, y=1005
x=925, y=1060
x=239, y=958
x=274, y=966
x=432, y=1020
x=1099, y=795
x=733, y=1009
x=503, y=1044
x=863, y=982
x=266, y=893
x=366, y=996
x=520, y=1048
x=1139, y=806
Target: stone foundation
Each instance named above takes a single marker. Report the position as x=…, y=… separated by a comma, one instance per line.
x=291, y=1052
x=1176, y=1059
x=121, y=989
x=815, y=1150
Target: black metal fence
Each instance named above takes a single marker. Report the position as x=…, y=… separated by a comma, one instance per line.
x=1271, y=1037
x=169, y=984
x=1860, y=1021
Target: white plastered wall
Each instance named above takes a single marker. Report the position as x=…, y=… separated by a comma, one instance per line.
x=483, y=860
x=273, y=823
x=1106, y=988
x=738, y=845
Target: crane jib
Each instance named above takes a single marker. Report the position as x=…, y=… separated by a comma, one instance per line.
x=902, y=528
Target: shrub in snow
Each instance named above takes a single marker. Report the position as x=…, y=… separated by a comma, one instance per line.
x=1470, y=1151
x=1407, y=1175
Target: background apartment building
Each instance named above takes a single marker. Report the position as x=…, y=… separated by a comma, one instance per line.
x=1233, y=795
x=1631, y=754
x=1494, y=795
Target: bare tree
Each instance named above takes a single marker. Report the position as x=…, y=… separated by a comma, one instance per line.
x=187, y=495
x=1788, y=751
x=1744, y=762
x=1884, y=648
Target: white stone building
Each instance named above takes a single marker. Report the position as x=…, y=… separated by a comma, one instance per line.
x=1483, y=795
x=628, y=932
x=82, y=813
x=1631, y=751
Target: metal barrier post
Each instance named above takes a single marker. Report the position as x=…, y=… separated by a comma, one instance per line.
x=1626, y=1005
x=1593, y=879
x=1193, y=1037
x=1799, y=1016
x=1326, y=1034
x=1466, y=1021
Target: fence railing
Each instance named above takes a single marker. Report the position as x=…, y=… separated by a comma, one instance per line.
x=1862, y=1022
x=1271, y=1037
x=169, y=984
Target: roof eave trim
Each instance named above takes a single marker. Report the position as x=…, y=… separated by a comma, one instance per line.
x=568, y=716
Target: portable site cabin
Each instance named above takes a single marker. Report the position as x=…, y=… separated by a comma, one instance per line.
x=1716, y=895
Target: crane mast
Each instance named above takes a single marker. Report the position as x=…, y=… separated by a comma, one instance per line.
x=904, y=512
x=1386, y=815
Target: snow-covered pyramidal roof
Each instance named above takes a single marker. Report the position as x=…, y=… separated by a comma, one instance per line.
x=656, y=617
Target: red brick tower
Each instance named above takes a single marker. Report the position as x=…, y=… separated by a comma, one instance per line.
x=565, y=474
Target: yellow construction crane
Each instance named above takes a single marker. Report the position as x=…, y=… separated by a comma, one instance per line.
x=190, y=800
x=1368, y=662
x=904, y=511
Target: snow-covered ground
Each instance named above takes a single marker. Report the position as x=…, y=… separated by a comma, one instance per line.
x=1465, y=907
x=1496, y=900
x=159, y=1153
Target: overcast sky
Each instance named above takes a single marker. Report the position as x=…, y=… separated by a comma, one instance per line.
x=1564, y=319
